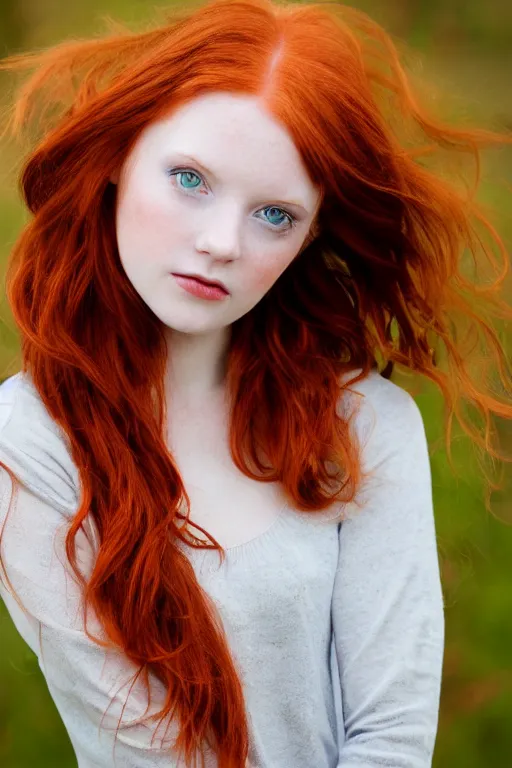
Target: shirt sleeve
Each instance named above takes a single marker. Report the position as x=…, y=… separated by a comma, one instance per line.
x=83, y=678
x=387, y=606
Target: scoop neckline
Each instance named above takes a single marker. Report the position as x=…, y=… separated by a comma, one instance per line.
x=254, y=542
x=280, y=515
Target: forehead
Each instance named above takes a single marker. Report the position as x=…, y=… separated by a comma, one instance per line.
x=234, y=136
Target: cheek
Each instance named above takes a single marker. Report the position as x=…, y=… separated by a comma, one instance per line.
x=147, y=226
x=267, y=269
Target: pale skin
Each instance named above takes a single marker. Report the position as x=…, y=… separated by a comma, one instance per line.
x=212, y=189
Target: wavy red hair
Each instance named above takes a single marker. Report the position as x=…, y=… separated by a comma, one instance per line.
x=384, y=279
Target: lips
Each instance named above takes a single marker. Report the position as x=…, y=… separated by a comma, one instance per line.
x=203, y=280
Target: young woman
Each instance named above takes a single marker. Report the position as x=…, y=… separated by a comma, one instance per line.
x=231, y=232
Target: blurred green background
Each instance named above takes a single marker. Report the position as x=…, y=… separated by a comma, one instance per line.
x=466, y=49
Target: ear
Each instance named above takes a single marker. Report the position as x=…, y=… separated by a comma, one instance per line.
x=114, y=177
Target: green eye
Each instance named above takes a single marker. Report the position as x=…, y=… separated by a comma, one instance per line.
x=279, y=214
x=279, y=219
x=187, y=179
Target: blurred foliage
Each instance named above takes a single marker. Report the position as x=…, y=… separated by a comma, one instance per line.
x=466, y=48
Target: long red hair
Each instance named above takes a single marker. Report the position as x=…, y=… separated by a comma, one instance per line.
x=384, y=280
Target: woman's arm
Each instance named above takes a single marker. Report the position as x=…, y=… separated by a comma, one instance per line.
x=83, y=678
x=387, y=607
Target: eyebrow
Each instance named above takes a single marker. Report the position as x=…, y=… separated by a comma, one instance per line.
x=206, y=170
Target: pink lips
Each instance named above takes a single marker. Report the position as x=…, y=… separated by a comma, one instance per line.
x=209, y=291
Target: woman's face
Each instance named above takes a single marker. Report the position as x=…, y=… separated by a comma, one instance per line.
x=219, y=190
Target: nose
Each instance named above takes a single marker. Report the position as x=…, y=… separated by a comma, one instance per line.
x=220, y=233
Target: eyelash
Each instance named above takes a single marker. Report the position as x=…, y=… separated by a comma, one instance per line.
x=291, y=218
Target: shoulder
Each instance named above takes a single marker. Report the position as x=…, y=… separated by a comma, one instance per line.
x=389, y=427
x=382, y=405
x=395, y=456
x=34, y=447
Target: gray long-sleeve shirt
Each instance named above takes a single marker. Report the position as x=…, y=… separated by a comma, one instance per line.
x=337, y=628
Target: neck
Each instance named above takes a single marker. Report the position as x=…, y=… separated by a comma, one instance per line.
x=196, y=364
